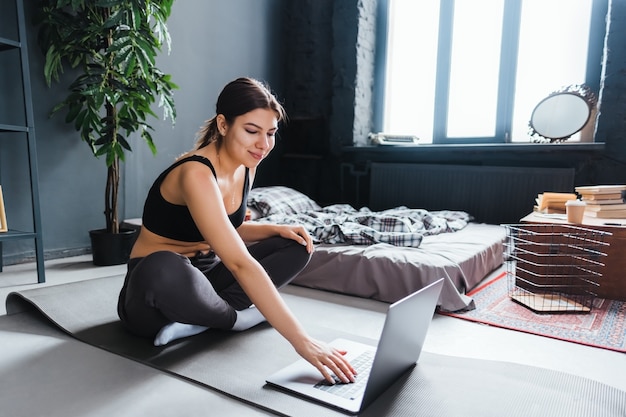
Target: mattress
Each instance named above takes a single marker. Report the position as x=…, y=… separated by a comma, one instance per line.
x=388, y=273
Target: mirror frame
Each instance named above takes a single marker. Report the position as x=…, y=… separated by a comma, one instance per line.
x=579, y=90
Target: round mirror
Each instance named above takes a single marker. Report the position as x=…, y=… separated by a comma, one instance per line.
x=562, y=114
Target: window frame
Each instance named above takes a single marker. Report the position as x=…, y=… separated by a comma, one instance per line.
x=508, y=65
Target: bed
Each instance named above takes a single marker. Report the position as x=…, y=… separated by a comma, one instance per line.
x=386, y=255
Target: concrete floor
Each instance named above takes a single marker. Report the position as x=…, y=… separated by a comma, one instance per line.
x=43, y=371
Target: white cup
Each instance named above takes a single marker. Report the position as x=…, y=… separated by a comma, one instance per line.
x=575, y=210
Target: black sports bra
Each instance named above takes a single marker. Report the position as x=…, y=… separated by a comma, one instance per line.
x=174, y=221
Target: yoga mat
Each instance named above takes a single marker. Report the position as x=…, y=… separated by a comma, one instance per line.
x=237, y=363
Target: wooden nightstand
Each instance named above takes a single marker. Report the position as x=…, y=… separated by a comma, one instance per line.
x=613, y=281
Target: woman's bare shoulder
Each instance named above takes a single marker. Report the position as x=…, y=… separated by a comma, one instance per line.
x=186, y=178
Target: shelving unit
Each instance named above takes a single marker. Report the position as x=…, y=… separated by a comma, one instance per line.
x=19, y=132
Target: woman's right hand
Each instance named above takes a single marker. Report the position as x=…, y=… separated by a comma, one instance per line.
x=327, y=359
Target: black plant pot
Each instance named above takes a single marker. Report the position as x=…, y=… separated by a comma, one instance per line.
x=111, y=248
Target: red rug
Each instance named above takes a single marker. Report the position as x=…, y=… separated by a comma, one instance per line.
x=603, y=327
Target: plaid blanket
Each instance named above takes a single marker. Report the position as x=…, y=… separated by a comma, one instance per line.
x=400, y=226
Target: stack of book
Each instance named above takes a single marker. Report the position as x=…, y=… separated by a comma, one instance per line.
x=604, y=201
x=552, y=203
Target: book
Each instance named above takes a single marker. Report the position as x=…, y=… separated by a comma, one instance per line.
x=549, y=210
x=603, y=202
x=600, y=189
x=605, y=207
x=552, y=200
x=602, y=196
x=611, y=214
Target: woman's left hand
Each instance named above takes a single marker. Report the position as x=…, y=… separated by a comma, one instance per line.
x=297, y=233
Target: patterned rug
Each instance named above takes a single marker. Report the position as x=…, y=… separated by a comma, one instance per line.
x=603, y=327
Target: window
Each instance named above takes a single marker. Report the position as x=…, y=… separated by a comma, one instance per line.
x=473, y=71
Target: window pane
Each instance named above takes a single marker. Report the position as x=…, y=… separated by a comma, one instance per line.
x=553, y=44
x=554, y=36
x=411, y=68
x=476, y=41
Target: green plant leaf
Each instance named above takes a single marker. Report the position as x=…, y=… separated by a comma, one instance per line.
x=122, y=140
x=113, y=45
x=148, y=139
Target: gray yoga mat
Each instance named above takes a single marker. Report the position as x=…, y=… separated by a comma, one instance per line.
x=237, y=363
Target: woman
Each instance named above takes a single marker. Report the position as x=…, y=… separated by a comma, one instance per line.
x=190, y=268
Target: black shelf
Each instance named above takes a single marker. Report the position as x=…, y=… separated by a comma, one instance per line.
x=29, y=129
x=17, y=235
x=6, y=44
x=13, y=128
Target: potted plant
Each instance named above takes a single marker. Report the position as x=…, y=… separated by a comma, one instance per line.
x=113, y=45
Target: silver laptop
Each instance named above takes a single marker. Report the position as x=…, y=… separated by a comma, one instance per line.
x=398, y=350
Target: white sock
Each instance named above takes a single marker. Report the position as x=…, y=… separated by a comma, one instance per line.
x=247, y=318
x=175, y=331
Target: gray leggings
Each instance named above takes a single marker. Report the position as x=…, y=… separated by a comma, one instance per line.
x=165, y=287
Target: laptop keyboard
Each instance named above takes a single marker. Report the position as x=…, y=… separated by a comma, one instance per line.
x=362, y=365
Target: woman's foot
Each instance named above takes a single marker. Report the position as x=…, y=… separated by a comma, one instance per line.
x=247, y=318
x=175, y=330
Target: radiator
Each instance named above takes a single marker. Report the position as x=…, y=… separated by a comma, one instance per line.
x=491, y=194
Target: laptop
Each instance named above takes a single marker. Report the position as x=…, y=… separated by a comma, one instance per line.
x=398, y=350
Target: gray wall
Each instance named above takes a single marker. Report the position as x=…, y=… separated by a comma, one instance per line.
x=213, y=42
